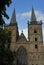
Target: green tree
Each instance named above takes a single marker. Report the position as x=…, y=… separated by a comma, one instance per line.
x=3, y=4
x=6, y=55
x=5, y=37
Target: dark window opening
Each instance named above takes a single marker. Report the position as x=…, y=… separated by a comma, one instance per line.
x=32, y=64
x=35, y=39
x=36, y=46
x=36, y=64
x=35, y=31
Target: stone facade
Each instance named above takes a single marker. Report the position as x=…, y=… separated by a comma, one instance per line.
x=29, y=52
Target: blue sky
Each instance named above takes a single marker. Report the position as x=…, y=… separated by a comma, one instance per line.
x=23, y=9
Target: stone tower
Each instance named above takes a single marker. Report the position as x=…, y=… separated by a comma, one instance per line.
x=29, y=52
x=13, y=27
x=35, y=33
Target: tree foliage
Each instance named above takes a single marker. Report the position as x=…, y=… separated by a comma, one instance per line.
x=6, y=55
x=3, y=4
x=5, y=35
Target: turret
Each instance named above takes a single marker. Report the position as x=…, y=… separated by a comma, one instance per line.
x=35, y=32
x=13, y=27
x=13, y=19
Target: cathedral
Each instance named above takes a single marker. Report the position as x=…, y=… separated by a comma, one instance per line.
x=31, y=51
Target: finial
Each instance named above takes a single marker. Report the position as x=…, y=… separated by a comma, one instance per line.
x=22, y=31
x=28, y=22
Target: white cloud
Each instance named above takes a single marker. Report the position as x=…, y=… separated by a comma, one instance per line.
x=43, y=34
x=25, y=31
x=25, y=14
x=39, y=15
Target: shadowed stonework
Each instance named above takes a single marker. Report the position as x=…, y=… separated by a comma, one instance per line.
x=31, y=51
x=22, y=56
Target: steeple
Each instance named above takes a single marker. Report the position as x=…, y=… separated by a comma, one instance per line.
x=13, y=19
x=33, y=17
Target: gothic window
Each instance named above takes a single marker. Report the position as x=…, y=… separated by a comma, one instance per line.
x=35, y=31
x=36, y=46
x=22, y=56
x=35, y=39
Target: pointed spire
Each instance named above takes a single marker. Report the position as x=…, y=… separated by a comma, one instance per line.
x=33, y=17
x=13, y=19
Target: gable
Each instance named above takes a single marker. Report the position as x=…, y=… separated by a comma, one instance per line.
x=22, y=39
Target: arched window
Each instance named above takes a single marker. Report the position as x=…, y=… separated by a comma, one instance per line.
x=22, y=56
x=35, y=31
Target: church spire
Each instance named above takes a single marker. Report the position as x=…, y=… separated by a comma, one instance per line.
x=33, y=17
x=13, y=19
